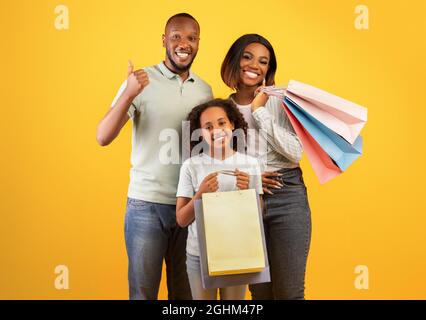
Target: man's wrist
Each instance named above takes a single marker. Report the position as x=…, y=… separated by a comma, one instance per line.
x=128, y=97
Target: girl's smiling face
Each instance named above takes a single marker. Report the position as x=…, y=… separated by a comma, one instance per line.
x=254, y=64
x=216, y=128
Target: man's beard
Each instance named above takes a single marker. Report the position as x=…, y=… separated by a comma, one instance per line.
x=176, y=67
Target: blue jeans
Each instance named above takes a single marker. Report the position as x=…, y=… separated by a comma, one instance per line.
x=287, y=223
x=151, y=234
x=199, y=293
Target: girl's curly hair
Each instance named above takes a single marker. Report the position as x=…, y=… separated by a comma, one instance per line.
x=234, y=115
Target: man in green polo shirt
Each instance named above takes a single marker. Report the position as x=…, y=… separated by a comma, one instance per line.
x=156, y=98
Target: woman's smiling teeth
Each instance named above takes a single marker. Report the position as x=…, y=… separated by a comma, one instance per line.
x=251, y=75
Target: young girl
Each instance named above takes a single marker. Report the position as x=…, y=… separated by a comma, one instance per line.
x=249, y=64
x=219, y=167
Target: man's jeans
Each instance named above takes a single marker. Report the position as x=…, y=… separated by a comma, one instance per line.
x=151, y=234
x=287, y=224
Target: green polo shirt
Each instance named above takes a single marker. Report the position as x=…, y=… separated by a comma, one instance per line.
x=157, y=114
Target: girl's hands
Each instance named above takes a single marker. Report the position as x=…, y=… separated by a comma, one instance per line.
x=209, y=184
x=243, y=179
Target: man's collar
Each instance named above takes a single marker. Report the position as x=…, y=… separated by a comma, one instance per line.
x=170, y=75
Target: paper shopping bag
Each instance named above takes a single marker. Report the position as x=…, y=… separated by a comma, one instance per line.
x=324, y=168
x=233, y=232
x=339, y=115
x=221, y=281
x=342, y=152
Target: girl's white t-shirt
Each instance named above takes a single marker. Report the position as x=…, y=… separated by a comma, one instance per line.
x=195, y=169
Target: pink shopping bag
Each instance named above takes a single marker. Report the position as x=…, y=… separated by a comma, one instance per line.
x=323, y=166
x=341, y=116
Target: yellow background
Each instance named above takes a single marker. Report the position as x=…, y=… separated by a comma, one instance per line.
x=63, y=196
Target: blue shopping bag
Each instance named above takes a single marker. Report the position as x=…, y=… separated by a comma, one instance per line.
x=340, y=151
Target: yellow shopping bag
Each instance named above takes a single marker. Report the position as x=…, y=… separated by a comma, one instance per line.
x=234, y=236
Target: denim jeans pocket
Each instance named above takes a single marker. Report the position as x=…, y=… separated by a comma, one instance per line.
x=289, y=183
x=293, y=182
x=136, y=203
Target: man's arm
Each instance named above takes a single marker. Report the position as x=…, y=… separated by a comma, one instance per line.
x=116, y=117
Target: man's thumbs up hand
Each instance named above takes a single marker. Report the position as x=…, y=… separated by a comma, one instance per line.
x=130, y=68
x=136, y=81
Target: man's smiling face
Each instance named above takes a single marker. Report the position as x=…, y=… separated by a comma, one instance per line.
x=181, y=42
